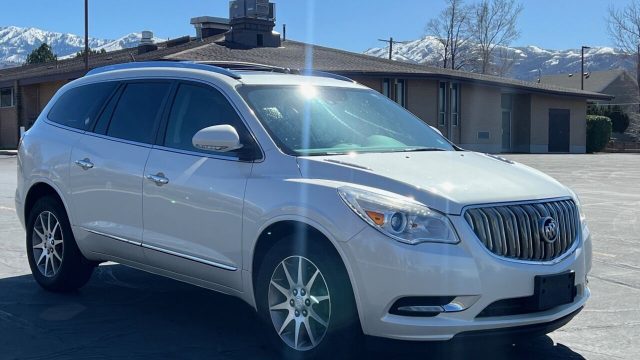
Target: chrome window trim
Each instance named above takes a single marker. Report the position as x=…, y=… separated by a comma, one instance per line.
x=557, y=260
x=64, y=127
x=123, y=141
x=162, y=250
x=216, y=156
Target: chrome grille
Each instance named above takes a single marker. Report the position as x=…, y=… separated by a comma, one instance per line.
x=514, y=231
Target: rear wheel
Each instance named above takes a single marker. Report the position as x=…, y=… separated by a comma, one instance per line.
x=55, y=260
x=306, y=301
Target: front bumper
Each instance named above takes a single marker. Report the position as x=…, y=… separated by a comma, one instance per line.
x=383, y=270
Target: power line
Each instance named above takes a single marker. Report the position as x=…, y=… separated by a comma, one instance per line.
x=391, y=42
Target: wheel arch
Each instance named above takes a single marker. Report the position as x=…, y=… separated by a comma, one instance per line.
x=277, y=229
x=37, y=191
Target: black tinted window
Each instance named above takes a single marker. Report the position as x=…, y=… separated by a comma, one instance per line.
x=78, y=107
x=195, y=108
x=136, y=116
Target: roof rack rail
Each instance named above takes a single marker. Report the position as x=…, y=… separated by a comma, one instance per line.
x=171, y=64
x=311, y=72
x=247, y=66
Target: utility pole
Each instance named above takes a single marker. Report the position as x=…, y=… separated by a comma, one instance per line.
x=86, y=35
x=582, y=67
x=390, y=42
x=638, y=72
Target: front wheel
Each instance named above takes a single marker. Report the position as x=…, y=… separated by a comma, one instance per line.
x=305, y=298
x=55, y=260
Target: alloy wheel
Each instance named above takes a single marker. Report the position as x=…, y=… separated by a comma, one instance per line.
x=48, y=244
x=300, y=307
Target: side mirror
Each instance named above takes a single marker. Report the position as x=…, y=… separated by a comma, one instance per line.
x=220, y=138
x=436, y=130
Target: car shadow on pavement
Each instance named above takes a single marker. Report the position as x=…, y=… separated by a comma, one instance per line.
x=125, y=313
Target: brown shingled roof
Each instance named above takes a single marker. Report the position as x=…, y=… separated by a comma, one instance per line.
x=292, y=54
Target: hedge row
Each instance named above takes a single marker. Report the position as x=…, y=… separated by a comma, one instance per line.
x=598, y=132
x=619, y=118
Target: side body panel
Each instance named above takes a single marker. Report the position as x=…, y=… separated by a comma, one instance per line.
x=193, y=224
x=108, y=196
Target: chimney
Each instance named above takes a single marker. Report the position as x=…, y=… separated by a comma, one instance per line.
x=252, y=23
x=146, y=43
x=207, y=26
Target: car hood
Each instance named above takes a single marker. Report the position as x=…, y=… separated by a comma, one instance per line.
x=444, y=180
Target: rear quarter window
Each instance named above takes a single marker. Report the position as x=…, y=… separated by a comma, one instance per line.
x=79, y=107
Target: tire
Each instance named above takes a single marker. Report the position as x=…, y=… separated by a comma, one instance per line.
x=327, y=300
x=55, y=260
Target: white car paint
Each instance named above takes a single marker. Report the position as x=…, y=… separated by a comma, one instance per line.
x=214, y=209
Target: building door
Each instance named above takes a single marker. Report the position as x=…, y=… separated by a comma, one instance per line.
x=559, y=130
x=506, y=130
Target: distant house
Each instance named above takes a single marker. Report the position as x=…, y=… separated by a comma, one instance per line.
x=477, y=112
x=617, y=83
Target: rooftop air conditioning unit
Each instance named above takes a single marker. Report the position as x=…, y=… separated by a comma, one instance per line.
x=256, y=9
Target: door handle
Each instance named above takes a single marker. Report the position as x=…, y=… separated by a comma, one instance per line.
x=159, y=179
x=85, y=164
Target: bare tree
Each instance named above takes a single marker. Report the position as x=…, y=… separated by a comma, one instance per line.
x=504, y=59
x=449, y=27
x=624, y=29
x=493, y=24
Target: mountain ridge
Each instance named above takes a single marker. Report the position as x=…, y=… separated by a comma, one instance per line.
x=529, y=61
x=16, y=43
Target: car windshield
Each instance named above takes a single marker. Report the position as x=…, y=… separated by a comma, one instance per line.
x=320, y=120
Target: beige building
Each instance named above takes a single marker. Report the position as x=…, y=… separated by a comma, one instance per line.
x=477, y=112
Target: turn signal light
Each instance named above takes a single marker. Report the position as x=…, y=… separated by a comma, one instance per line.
x=377, y=217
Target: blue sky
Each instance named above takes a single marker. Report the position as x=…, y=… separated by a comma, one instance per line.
x=347, y=24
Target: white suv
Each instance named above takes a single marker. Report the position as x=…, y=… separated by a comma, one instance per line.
x=324, y=205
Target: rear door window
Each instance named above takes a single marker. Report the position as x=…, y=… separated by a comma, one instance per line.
x=78, y=107
x=138, y=112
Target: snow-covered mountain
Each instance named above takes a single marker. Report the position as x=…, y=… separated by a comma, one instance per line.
x=16, y=43
x=529, y=61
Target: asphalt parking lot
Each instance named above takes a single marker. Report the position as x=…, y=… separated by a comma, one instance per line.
x=124, y=313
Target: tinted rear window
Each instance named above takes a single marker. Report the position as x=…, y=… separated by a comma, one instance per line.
x=78, y=107
x=136, y=116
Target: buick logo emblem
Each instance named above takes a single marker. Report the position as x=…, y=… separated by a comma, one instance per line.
x=549, y=229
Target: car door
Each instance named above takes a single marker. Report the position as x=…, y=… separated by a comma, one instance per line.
x=107, y=170
x=193, y=199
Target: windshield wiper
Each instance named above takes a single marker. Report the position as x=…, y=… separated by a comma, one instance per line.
x=425, y=148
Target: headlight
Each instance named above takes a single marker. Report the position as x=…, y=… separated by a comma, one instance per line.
x=400, y=218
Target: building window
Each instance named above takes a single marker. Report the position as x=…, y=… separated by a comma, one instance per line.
x=386, y=88
x=401, y=97
x=6, y=97
x=455, y=104
x=442, y=104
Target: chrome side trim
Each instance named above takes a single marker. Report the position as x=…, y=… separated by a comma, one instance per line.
x=159, y=249
x=189, y=257
x=130, y=242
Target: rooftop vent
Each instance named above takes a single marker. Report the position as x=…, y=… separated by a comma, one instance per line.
x=146, y=43
x=178, y=41
x=207, y=26
x=252, y=23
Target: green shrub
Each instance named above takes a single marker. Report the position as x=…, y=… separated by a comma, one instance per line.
x=619, y=118
x=598, y=132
